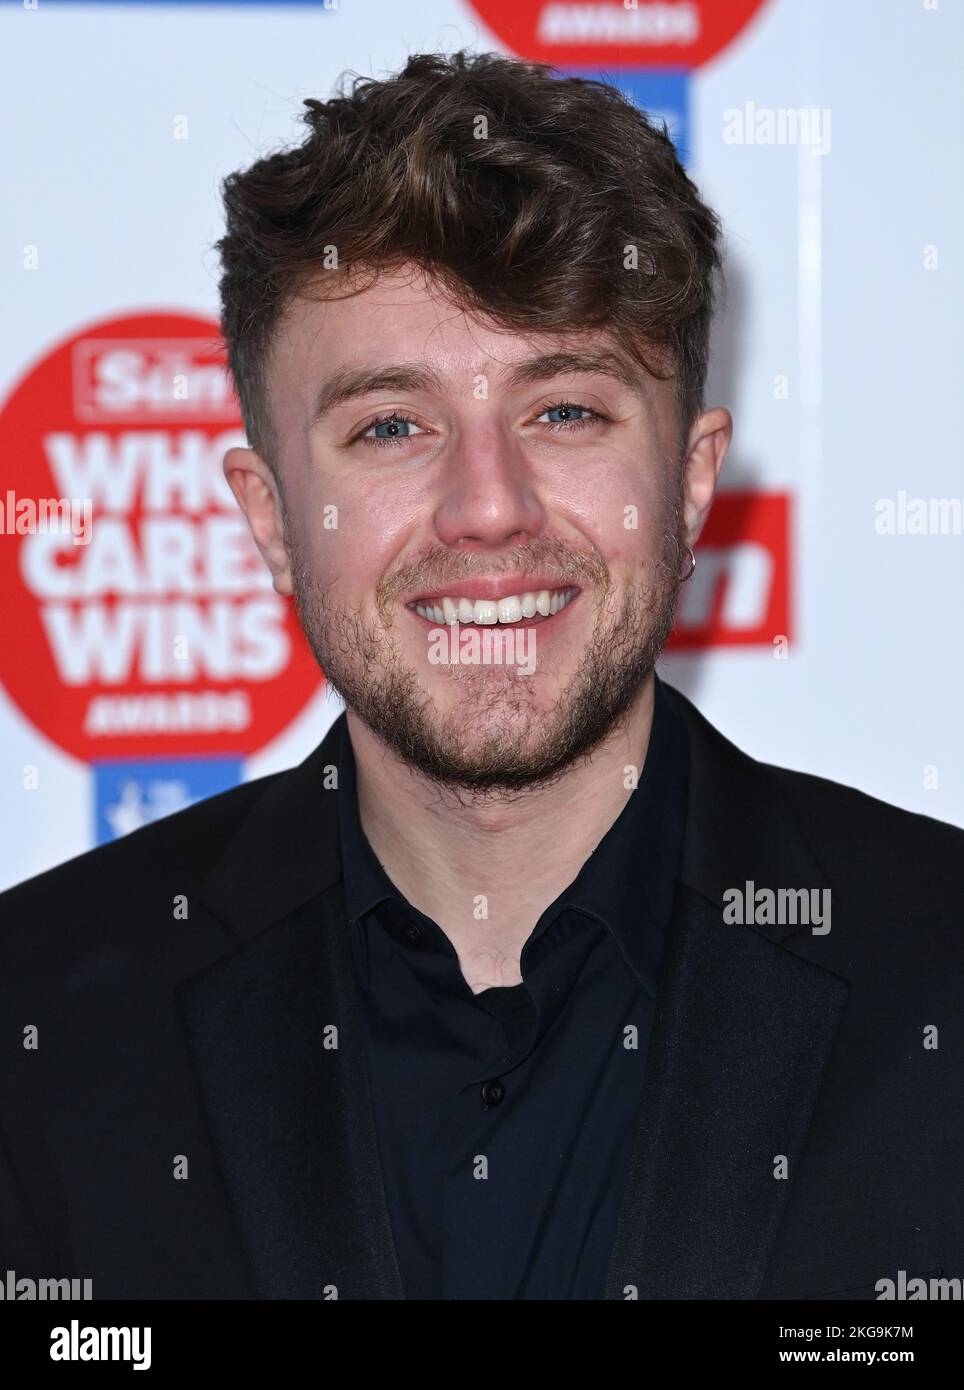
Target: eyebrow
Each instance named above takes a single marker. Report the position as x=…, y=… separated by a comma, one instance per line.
x=349, y=382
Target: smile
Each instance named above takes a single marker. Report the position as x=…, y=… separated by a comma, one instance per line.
x=513, y=608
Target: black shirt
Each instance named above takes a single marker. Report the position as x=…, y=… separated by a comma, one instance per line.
x=505, y=1118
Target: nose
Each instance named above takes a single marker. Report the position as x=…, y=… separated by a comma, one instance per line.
x=488, y=494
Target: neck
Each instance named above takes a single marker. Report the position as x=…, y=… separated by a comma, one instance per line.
x=486, y=871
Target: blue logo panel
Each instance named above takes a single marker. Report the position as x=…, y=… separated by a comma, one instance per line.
x=663, y=93
x=131, y=794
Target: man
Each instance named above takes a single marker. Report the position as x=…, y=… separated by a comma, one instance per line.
x=526, y=983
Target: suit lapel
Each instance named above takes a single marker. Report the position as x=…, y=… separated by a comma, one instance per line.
x=279, y=1052
x=742, y=1037
x=276, y=1033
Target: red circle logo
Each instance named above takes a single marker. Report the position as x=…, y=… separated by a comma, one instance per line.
x=637, y=33
x=138, y=617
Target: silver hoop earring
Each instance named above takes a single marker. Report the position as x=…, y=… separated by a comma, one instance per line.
x=692, y=566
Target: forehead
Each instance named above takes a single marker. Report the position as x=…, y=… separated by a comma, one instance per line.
x=406, y=315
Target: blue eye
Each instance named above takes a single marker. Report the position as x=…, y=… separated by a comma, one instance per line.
x=573, y=416
x=389, y=431
x=390, y=428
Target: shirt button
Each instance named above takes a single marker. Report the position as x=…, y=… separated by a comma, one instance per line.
x=413, y=933
x=492, y=1092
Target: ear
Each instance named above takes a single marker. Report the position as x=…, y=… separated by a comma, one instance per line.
x=254, y=485
x=709, y=439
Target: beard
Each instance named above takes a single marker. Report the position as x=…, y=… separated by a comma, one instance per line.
x=499, y=741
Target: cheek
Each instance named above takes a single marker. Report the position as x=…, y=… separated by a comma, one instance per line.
x=624, y=514
x=315, y=535
x=354, y=544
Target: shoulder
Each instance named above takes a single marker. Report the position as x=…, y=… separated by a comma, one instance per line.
x=861, y=813
x=179, y=849
x=899, y=861
x=897, y=854
x=257, y=846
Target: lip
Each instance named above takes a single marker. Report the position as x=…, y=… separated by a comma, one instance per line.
x=537, y=621
x=493, y=588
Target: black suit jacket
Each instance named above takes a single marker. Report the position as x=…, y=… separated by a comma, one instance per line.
x=232, y=1039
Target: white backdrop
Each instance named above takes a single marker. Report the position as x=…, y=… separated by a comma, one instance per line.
x=839, y=348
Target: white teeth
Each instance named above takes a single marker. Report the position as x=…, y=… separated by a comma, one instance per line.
x=487, y=612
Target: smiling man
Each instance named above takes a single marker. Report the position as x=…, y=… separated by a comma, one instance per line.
x=511, y=989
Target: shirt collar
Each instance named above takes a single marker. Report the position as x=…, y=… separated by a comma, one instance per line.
x=628, y=881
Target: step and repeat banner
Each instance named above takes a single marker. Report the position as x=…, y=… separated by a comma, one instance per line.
x=822, y=628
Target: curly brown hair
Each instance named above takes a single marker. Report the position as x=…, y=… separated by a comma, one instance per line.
x=545, y=202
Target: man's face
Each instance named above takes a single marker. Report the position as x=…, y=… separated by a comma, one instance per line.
x=471, y=473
